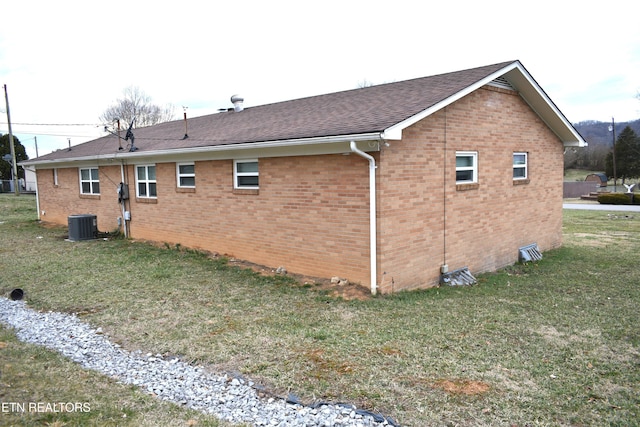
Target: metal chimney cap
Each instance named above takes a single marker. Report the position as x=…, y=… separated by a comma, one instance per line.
x=237, y=101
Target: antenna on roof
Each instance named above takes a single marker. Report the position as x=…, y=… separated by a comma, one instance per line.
x=127, y=136
x=130, y=135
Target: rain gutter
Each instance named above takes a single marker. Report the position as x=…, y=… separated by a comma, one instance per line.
x=212, y=149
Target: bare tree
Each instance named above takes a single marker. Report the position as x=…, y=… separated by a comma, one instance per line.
x=364, y=83
x=137, y=104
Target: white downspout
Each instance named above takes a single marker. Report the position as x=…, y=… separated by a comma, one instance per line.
x=35, y=174
x=122, y=204
x=372, y=216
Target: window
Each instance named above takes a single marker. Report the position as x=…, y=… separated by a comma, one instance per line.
x=55, y=177
x=186, y=173
x=146, y=180
x=520, y=166
x=245, y=174
x=89, y=183
x=466, y=167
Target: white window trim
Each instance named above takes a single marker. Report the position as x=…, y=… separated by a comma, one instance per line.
x=237, y=174
x=90, y=181
x=185, y=175
x=525, y=166
x=474, y=168
x=147, y=181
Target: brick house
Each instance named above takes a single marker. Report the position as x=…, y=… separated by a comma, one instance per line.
x=387, y=185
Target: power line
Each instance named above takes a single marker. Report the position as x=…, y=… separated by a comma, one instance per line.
x=54, y=134
x=54, y=124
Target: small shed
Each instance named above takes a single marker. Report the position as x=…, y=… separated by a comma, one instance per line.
x=600, y=178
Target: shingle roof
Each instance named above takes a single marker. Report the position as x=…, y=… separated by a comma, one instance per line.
x=358, y=111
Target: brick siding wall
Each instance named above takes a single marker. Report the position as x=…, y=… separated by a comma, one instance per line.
x=59, y=201
x=310, y=215
x=486, y=224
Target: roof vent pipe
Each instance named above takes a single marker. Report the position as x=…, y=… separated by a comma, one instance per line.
x=237, y=101
x=186, y=134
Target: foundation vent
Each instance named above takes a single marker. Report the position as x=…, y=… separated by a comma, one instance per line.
x=459, y=277
x=530, y=253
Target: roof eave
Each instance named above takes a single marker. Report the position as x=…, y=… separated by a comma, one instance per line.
x=336, y=144
x=533, y=94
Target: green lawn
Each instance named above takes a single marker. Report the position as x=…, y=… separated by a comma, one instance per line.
x=551, y=343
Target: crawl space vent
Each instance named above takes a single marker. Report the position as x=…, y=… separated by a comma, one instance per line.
x=459, y=277
x=530, y=253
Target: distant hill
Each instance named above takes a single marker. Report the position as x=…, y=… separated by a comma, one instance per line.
x=597, y=133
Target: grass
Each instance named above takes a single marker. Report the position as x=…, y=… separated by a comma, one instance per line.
x=571, y=175
x=549, y=343
x=33, y=377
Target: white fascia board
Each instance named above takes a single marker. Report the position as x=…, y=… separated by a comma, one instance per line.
x=531, y=92
x=281, y=148
x=395, y=131
x=580, y=144
x=69, y=162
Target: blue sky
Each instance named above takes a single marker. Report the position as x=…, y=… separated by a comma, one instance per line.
x=65, y=62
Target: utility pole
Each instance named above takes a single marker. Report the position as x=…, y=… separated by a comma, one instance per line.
x=13, y=150
x=612, y=128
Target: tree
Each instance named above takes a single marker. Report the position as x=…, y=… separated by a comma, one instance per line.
x=6, y=168
x=137, y=104
x=627, y=156
x=365, y=83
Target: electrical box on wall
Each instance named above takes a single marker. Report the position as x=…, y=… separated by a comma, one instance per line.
x=123, y=192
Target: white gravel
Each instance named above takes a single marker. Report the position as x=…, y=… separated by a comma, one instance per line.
x=230, y=398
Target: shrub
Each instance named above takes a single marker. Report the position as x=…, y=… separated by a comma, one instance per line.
x=614, y=199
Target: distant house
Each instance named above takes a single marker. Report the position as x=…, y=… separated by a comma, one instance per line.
x=387, y=185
